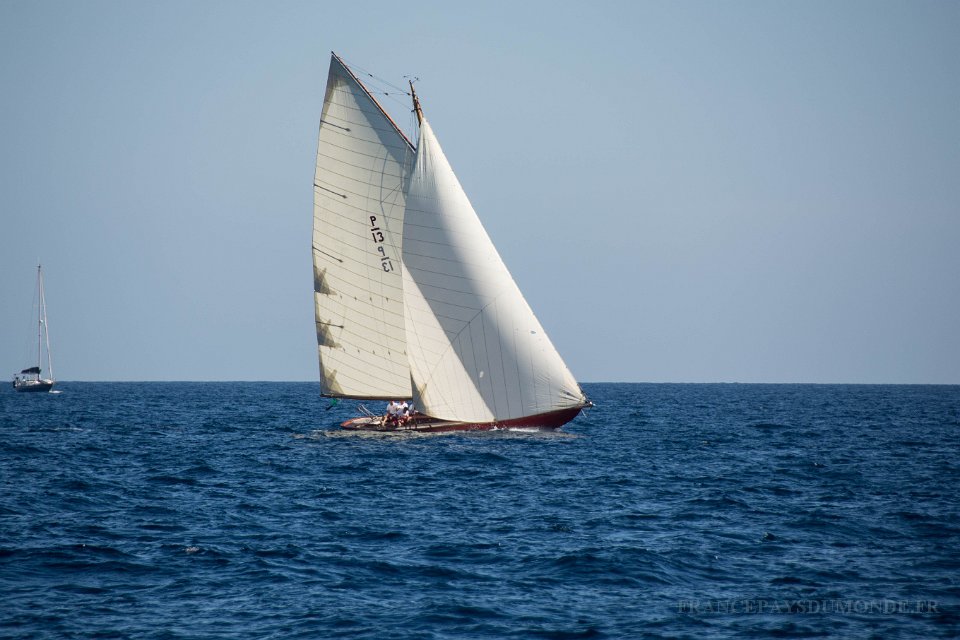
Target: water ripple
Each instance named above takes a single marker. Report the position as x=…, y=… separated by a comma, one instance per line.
x=216, y=510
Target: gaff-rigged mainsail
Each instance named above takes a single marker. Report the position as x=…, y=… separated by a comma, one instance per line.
x=363, y=162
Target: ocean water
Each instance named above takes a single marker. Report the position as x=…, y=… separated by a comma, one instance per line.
x=238, y=510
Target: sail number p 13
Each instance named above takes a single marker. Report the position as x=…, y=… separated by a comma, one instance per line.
x=378, y=238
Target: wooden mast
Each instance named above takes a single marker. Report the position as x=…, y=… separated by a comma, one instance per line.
x=416, y=103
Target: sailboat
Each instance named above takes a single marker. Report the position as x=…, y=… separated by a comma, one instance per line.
x=413, y=302
x=29, y=379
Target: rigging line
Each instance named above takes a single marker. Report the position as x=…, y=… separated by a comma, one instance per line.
x=370, y=96
x=391, y=97
x=377, y=78
x=397, y=89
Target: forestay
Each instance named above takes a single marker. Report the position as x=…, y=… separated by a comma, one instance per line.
x=363, y=162
x=476, y=350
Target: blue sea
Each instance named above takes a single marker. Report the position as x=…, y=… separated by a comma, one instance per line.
x=239, y=510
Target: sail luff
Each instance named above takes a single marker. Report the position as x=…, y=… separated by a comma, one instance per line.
x=39, y=319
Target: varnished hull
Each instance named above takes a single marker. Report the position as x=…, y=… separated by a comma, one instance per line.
x=425, y=424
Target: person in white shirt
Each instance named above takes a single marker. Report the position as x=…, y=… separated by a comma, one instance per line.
x=392, y=410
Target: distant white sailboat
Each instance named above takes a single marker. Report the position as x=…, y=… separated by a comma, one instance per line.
x=412, y=300
x=29, y=379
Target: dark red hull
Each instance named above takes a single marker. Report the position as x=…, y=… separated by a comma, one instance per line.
x=425, y=424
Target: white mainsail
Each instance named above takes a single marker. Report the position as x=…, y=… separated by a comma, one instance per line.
x=363, y=162
x=476, y=350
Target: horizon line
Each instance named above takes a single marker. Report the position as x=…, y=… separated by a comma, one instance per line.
x=651, y=382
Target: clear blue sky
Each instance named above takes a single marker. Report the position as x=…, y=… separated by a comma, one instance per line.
x=695, y=191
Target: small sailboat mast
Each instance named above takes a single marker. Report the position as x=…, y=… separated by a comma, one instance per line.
x=39, y=316
x=43, y=331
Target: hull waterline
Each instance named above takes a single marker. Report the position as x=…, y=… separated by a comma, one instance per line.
x=425, y=424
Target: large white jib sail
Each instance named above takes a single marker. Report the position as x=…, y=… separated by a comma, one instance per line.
x=477, y=352
x=412, y=298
